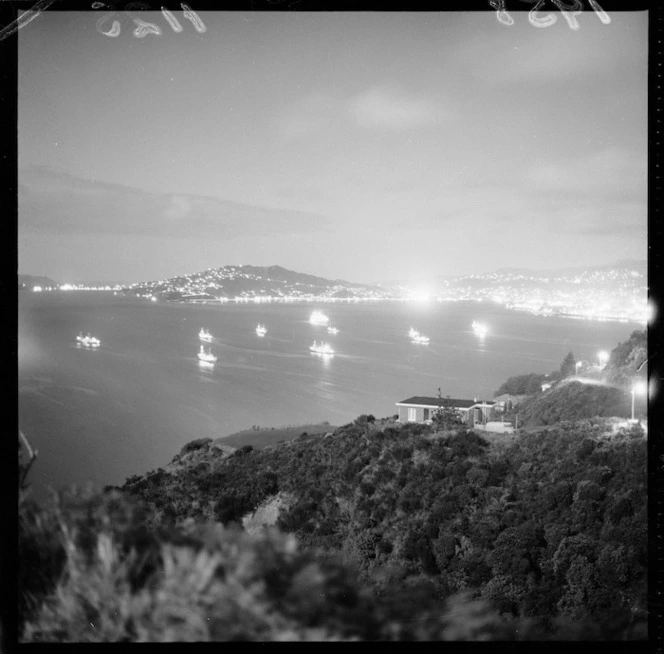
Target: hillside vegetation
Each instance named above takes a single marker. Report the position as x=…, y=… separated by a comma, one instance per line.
x=259, y=437
x=627, y=360
x=574, y=401
x=594, y=393
x=546, y=535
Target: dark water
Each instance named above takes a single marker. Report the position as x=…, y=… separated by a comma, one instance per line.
x=130, y=406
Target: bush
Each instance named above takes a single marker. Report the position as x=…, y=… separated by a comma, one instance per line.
x=195, y=445
x=522, y=384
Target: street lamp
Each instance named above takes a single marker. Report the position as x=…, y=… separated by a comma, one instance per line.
x=640, y=388
x=603, y=357
x=578, y=364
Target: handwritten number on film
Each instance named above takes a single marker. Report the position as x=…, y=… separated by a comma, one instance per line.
x=538, y=19
x=143, y=28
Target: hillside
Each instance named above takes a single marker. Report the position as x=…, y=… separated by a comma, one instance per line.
x=260, y=437
x=584, y=392
x=632, y=272
x=29, y=281
x=451, y=509
x=627, y=360
x=400, y=533
x=572, y=400
x=237, y=281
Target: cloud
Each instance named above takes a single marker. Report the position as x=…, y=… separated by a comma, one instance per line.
x=53, y=202
x=312, y=114
x=627, y=219
x=385, y=107
x=381, y=107
x=604, y=172
x=179, y=207
x=603, y=193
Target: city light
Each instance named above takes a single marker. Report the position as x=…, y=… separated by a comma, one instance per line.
x=607, y=295
x=603, y=357
x=421, y=295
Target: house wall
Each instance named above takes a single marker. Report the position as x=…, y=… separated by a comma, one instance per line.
x=426, y=413
x=480, y=415
x=419, y=414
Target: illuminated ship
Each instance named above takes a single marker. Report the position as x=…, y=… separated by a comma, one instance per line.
x=206, y=356
x=88, y=341
x=205, y=335
x=322, y=348
x=479, y=328
x=416, y=337
x=318, y=318
x=261, y=330
x=332, y=330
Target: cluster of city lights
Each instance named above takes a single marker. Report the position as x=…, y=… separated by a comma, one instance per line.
x=76, y=287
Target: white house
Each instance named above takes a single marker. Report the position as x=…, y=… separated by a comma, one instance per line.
x=421, y=409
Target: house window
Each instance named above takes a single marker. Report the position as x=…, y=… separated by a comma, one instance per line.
x=412, y=415
x=426, y=414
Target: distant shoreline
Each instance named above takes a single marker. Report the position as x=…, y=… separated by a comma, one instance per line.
x=259, y=299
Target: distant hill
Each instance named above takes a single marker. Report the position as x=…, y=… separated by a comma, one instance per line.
x=29, y=281
x=252, y=281
x=640, y=265
x=628, y=270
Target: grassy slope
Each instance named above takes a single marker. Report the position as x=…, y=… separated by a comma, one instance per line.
x=264, y=437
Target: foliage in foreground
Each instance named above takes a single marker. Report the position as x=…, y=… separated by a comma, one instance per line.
x=96, y=567
x=106, y=579
x=552, y=524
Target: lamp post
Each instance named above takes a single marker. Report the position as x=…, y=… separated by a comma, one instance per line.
x=577, y=365
x=603, y=357
x=637, y=387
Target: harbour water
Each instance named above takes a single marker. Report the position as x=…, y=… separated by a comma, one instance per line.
x=128, y=406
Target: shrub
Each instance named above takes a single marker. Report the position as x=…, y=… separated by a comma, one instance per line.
x=195, y=445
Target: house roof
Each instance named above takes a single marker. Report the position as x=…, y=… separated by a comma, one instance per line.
x=419, y=400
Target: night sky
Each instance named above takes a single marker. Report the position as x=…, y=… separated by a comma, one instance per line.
x=364, y=146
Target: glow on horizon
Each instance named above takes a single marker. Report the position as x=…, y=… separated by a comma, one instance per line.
x=423, y=294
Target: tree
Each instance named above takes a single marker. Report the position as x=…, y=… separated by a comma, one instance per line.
x=568, y=366
x=446, y=416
